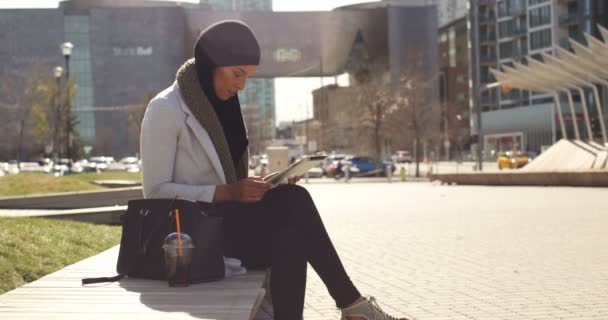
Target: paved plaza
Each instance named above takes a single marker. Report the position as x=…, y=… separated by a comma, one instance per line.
x=456, y=252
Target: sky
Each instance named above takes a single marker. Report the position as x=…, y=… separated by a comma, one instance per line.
x=293, y=97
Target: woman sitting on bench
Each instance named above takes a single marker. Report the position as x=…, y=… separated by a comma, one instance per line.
x=194, y=145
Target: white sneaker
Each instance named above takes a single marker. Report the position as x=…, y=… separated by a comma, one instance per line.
x=369, y=310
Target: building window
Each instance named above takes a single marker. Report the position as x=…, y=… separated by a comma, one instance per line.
x=505, y=28
x=535, y=2
x=540, y=39
x=502, y=9
x=506, y=50
x=540, y=16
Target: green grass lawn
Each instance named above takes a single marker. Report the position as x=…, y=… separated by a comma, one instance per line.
x=33, y=183
x=33, y=247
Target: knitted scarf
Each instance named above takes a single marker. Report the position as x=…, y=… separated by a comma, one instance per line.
x=201, y=108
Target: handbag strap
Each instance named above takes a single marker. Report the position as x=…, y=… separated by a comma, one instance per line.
x=86, y=281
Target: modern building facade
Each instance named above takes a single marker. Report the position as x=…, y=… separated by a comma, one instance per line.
x=454, y=87
x=258, y=91
x=510, y=33
x=451, y=10
x=126, y=50
x=447, y=10
x=239, y=5
x=402, y=29
x=332, y=108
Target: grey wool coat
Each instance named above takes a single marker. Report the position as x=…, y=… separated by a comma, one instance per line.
x=183, y=148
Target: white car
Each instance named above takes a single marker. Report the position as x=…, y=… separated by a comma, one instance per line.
x=315, y=172
x=131, y=164
x=403, y=156
x=33, y=167
x=129, y=160
x=10, y=167
x=100, y=163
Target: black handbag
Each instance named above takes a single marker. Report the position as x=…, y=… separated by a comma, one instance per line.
x=145, y=225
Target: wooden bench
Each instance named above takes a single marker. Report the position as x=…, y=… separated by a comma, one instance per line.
x=60, y=295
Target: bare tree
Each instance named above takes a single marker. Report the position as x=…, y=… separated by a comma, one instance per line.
x=29, y=95
x=374, y=104
x=41, y=94
x=417, y=110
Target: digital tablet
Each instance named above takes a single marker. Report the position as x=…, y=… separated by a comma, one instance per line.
x=297, y=169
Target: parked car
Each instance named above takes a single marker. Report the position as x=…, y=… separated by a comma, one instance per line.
x=45, y=162
x=131, y=164
x=12, y=167
x=366, y=165
x=62, y=166
x=512, y=160
x=129, y=160
x=82, y=166
x=330, y=163
x=254, y=160
x=78, y=167
x=33, y=167
x=403, y=156
x=100, y=163
x=316, y=172
x=115, y=166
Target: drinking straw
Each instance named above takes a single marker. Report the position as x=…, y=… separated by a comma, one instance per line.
x=180, y=251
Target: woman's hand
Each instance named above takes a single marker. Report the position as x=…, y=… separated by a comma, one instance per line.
x=293, y=180
x=251, y=189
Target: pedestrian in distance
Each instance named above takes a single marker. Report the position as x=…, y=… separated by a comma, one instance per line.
x=194, y=145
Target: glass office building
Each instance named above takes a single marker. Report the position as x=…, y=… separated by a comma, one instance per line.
x=126, y=51
x=77, y=28
x=512, y=31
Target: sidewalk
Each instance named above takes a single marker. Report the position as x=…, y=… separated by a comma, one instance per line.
x=452, y=252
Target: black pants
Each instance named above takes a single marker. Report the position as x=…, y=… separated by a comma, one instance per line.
x=284, y=231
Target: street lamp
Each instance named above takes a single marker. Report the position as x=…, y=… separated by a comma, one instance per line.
x=57, y=73
x=66, y=50
x=444, y=100
x=475, y=75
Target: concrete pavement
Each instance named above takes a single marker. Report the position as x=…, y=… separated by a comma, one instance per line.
x=459, y=252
